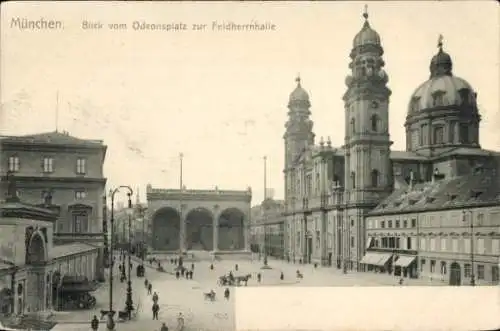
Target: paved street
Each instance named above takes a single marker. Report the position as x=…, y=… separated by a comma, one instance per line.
x=186, y=296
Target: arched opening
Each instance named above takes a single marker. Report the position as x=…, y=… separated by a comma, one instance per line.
x=374, y=123
x=199, y=230
x=455, y=274
x=36, y=250
x=231, y=229
x=166, y=230
x=375, y=177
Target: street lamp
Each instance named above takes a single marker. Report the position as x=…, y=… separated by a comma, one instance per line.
x=111, y=323
x=128, y=302
x=471, y=224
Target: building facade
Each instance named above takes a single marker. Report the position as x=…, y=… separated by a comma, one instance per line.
x=64, y=174
x=331, y=191
x=267, y=228
x=184, y=220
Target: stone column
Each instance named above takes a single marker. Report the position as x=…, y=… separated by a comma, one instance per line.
x=246, y=234
x=216, y=228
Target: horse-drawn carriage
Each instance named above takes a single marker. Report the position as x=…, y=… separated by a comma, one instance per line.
x=231, y=280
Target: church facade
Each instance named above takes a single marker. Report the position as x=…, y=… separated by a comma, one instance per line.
x=331, y=191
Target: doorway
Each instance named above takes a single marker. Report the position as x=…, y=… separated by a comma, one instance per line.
x=455, y=274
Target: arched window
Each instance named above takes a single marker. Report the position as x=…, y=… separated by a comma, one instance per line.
x=374, y=122
x=353, y=125
x=438, y=134
x=438, y=98
x=375, y=175
x=353, y=179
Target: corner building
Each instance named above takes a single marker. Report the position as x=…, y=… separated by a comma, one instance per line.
x=331, y=191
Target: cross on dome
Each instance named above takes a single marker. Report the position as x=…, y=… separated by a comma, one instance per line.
x=440, y=42
x=298, y=80
x=365, y=13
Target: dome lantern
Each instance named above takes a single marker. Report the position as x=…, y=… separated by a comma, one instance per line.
x=299, y=94
x=441, y=63
x=367, y=36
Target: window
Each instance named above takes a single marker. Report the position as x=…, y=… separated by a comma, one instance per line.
x=495, y=274
x=405, y=224
x=375, y=176
x=495, y=246
x=480, y=271
x=414, y=223
x=443, y=268
x=408, y=243
x=352, y=221
x=317, y=184
x=14, y=163
x=423, y=135
x=382, y=224
x=464, y=133
x=374, y=123
x=433, y=266
x=80, y=222
x=451, y=132
x=48, y=164
x=81, y=164
x=432, y=244
x=422, y=264
x=80, y=194
x=422, y=244
x=480, y=246
x=443, y=244
x=369, y=224
x=467, y=270
x=353, y=179
x=353, y=125
x=398, y=242
x=389, y=224
x=438, y=135
x=454, y=245
x=352, y=241
x=413, y=243
x=438, y=99
x=466, y=246
x=397, y=223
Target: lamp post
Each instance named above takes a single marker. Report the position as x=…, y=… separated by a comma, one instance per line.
x=129, y=305
x=471, y=225
x=111, y=323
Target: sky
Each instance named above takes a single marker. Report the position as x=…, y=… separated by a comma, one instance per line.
x=220, y=97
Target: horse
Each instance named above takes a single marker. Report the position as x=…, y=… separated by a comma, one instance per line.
x=209, y=295
x=244, y=279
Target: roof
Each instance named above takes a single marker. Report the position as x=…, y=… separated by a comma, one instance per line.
x=70, y=249
x=53, y=138
x=468, y=151
x=457, y=192
x=404, y=155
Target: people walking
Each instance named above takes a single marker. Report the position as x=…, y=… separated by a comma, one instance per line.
x=94, y=324
x=155, y=297
x=177, y=274
x=150, y=288
x=156, y=309
x=164, y=327
x=282, y=276
x=146, y=282
x=226, y=293
x=259, y=277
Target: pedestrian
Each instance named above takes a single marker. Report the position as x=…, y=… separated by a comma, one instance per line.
x=401, y=281
x=236, y=267
x=226, y=293
x=192, y=266
x=156, y=309
x=191, y=274
x=155, y=297
x=282, y=276
x=164, y=327
x=259, y=277
x=182, y=272
x=146, y=283
x=211, y=266
x=150, y=288
x=177, y=274
x=187, y=274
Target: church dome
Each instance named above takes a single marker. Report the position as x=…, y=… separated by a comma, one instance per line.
x=299, y=94
x=367, y=36
x=442, y=89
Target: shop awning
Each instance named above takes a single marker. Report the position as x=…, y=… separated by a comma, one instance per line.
x=383, y=258
x=374, y=258
x=404, y=260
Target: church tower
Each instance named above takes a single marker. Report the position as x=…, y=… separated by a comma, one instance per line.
x=367, y=142
x=298, y=135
